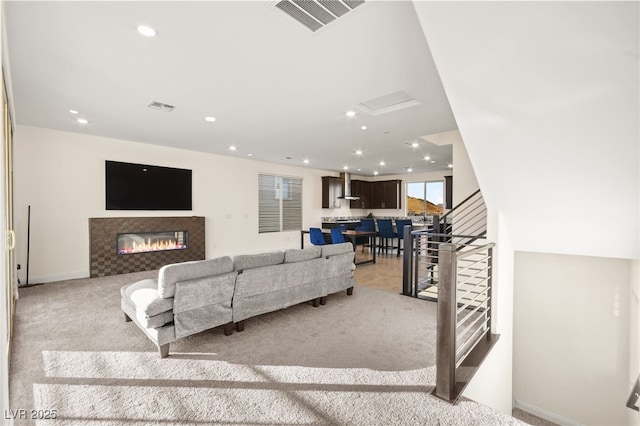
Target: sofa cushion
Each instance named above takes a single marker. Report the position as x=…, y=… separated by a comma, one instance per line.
x=251, y=261
x=334, y=249
x=169, y=275
x=272, y=278
x=157, y=320
x=144, y=296
x=299, y=255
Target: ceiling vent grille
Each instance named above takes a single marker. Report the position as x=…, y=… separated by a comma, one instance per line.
x=316, y=14
x=161, y=107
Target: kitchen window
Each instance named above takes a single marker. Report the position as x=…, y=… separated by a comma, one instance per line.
x=425, y=199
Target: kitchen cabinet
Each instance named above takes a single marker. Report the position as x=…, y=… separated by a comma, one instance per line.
x=448, y=190
x=331, y=190
x=386, y=194
x=360, y=188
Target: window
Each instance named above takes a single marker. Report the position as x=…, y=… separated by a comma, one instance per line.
x=425, y=199
x=279, y=203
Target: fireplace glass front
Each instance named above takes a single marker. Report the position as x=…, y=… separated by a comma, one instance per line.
x=142, y=242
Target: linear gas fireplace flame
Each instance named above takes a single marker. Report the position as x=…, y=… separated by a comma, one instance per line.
x=142, y=242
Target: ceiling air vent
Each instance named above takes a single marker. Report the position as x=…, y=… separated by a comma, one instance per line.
x=316, y=14
x=161, y=107
x=388, y=103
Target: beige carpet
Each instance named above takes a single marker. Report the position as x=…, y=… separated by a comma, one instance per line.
x=361, y=360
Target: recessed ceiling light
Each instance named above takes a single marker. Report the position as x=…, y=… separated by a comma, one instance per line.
x=73, y=111
x=351, y=113
x=363, y=127
x=359, y=170
x=415, y=145
x=82, y=121
x=305, y=161
x=249, y=155
x=358, y=152
x=382, y=163
x=345, y=168
x=432, y=161
x=427, y=158
x=146, y=31
x=375, y=173
x=450, y=166
x=210, y=119
x=233, y=148
x=409, y=169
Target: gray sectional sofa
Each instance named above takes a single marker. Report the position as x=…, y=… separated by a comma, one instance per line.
x=191, y=297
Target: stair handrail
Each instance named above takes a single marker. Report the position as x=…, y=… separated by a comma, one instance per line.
x=460, y=204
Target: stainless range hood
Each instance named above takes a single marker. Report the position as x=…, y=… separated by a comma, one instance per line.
x=346, y=187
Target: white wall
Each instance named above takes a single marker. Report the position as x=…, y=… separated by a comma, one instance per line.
x=61, y=176
x=465, y=182
x=571, y=337
x=545, y=95
x=492, y=384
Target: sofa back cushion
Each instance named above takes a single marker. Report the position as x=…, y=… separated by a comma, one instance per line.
x=251, y=261
x=169, y=275
x=335, y=249
x=299, y=255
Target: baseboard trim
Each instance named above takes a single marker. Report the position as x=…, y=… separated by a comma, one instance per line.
x=52, y=278
x=544, y=414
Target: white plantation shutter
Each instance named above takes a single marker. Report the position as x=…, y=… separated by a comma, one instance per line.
x=279, y=203
x=291, y=204
x=268, y=204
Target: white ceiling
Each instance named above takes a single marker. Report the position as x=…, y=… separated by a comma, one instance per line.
x=277, y=89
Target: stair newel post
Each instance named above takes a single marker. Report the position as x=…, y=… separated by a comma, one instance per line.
x=407, y=261
x=446, y=327
x=435, y=224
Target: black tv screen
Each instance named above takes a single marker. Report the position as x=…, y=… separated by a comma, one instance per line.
x=143, y=187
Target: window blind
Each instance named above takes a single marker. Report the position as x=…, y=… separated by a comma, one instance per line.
x=279, y=203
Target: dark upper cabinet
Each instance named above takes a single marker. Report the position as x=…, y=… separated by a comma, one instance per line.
x=361, y=189
x=331, y=190
x=448, y=190
x=386, y=194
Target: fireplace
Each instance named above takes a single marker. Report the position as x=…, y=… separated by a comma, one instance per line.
x=142, y=242
x=119, y=245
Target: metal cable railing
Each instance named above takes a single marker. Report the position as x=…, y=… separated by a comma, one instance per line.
x=454, y=268
x=464, y=310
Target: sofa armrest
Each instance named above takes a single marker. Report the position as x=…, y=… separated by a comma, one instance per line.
x=203, y=303
x=200, y=292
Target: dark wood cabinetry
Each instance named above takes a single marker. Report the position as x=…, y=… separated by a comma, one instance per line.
x=386, y=194
x=360, y=188
x=448, y=190
x=331, y=190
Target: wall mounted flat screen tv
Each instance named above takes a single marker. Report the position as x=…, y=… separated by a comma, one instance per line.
x=132, y=186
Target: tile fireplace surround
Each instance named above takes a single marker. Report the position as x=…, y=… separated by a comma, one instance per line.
x=103, y=246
